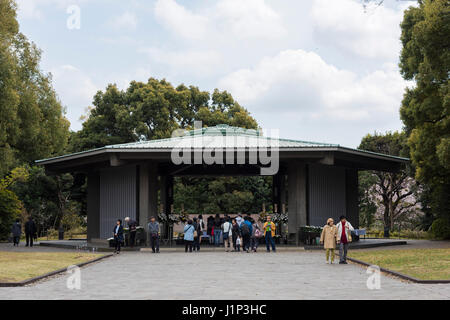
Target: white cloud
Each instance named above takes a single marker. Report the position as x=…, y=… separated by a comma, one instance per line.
x=302, y=82
x=372, y=33
x=249, y=19
x=75, y=89
x=180, y=20
x=226, y=19
x=194, y=62
x=127, y=20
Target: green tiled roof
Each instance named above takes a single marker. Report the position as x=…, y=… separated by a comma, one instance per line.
x=220, y=136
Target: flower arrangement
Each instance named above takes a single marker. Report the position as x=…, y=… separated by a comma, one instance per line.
x=168, y=218
x=280, y=218
x=311, y=229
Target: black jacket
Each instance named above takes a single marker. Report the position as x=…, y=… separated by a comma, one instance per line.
x=119, y=232
x=236, y=231
x=30, y=227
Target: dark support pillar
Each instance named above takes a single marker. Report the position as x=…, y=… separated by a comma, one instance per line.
x=166, y=192
x=148, y=192
x=351, y=195
x=276, y=193
x=93, y=206
x=297, y=194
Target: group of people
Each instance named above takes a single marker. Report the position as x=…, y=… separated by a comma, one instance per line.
x=237, y=233
x=332, y=235
x=30, y=232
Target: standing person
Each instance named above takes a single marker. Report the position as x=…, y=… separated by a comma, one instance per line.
x=239, y=219
x=16, y=231
x=202, y=224
x=210, y=229
x=188, y=236
x=132, y=227
x=217, y=229
x=328, y=238
x=30, y=231
x=197, y=234
x=256, y=234
x=246, y=231
x=118, y=235
x=153, y=231
x=269, y=234
x=344, y=237
x=227, y=234
x=235, y=233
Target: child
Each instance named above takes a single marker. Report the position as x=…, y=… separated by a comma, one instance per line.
x=238, y=244
x=328, y=239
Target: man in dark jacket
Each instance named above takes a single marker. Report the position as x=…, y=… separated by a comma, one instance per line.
x=132, y=228
x=153, y=230
x=16, y=231
x=30, y=231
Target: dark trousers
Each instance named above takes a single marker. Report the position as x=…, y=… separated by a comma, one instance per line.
x=16, y=240
x=188, y=244
x=132, y=238
x=197, y=243
x=270, y=241
x=343, y=247
x=246, y=240
x=117, y=243
x=254, y=243
x=154, y=242
x=29, y=238
x=234, y=236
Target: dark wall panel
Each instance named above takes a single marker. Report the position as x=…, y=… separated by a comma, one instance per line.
x=327, y=196
x=118, y=197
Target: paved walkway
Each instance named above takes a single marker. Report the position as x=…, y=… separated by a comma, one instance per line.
x=219, y=275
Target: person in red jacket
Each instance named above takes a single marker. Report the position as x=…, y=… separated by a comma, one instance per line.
x=344, y=237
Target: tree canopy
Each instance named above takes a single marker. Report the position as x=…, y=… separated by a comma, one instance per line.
x=425, y=110
x=153, y=110
x=32, y=124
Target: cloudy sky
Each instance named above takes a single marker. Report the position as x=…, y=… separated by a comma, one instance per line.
x=317, y=70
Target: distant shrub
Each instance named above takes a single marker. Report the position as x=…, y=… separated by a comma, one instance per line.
x=441, y=228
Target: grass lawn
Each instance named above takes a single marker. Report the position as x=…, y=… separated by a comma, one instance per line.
x=19, y=266
x=424, y=264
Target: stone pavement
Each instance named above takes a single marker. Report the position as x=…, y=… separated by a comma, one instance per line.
x=220, y=275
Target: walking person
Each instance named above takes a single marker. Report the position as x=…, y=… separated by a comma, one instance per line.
x=153, y=231
x=269, y=234
x=256, y=235
x=246, y=231
x=227, y=234
x=188, y=236
x=210, y=229
x=30, y=231
x=16, y=231
x=328, y=238
x=132, y=227
x=197, y=235
x=344, y=237
x=217, y=229
x=235, y=233
x=118, y=235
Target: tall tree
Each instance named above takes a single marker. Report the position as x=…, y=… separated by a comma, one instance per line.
x=153, y=110
x=32, y=124
x=396, y=194
x=425, y=110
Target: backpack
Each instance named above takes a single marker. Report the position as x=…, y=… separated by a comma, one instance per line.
x=245, y=230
